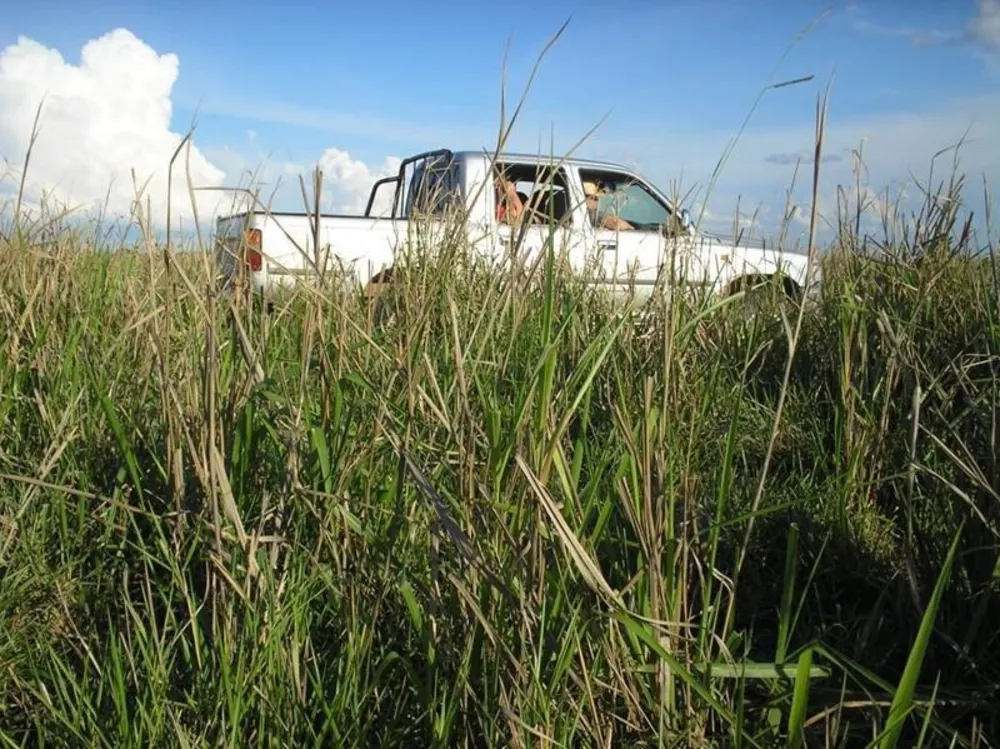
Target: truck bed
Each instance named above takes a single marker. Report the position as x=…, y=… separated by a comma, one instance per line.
x=284, y=242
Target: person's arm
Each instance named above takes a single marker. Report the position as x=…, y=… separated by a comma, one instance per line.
x=614, y=222
x=514, y=205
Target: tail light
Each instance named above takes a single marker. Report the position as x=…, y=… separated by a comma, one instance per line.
x=253, y=257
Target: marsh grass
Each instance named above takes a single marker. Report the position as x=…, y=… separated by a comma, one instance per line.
x=504, y=513
x=489, y=508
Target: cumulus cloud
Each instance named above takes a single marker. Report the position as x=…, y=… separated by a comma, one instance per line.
x=100, y=120
x=348, y=181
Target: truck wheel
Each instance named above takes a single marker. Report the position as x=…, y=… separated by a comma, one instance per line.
x=758, y=288
x=377, y=283
x=379, y=307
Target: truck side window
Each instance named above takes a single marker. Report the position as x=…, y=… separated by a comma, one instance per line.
x=541, y=190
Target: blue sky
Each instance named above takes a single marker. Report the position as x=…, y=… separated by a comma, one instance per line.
x=282, y=83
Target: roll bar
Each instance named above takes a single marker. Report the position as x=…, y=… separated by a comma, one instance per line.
x=398, y=178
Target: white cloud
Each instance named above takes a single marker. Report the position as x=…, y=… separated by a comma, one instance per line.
x=850, y=201
x=897, y=150
x=100, y=119
x=894, y=143
x=348, y=181
x=984, y=27
x=981, y=32
x=272, y=181
x=111, y=114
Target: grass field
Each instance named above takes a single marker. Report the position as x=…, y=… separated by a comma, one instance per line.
x=493, y=510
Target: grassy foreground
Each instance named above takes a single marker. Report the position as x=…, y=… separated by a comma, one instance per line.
x=494, y=511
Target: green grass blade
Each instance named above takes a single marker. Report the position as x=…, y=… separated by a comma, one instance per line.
x=902, y=701
x=800, y=700
x=641, y=631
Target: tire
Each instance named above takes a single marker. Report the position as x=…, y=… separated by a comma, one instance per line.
x=758, y=290
x=377, y=283
x=378, y=306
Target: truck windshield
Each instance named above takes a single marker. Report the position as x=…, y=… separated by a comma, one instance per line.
x=626, y=197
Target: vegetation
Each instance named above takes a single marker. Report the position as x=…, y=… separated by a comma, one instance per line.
x=492, y=509
x=489, y=508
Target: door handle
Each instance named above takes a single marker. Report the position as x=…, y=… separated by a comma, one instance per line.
x=607, y=244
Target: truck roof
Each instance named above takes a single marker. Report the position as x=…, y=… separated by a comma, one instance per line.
x=534, y=158
x=469, y=154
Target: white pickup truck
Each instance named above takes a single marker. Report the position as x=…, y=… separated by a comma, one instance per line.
x=467, y=189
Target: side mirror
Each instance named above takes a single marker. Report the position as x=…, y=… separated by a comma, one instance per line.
x=686, y=222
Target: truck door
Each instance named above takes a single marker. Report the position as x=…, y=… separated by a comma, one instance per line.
x=634, y=234
x=546, y=215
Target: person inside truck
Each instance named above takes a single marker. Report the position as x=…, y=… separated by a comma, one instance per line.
x=602, y=219
x=510, y=204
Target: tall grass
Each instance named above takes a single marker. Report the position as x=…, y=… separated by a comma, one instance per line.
x=490, y=508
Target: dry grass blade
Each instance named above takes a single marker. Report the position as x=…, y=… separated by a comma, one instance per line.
x=513, y=717
x=585, y=565
x=246, y=348
x=24, y=171
x=452, y=530
x=54, y=487
x=229, y=506
x=488, y=628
